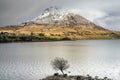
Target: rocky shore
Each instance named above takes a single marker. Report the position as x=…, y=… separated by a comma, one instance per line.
x=77, y=77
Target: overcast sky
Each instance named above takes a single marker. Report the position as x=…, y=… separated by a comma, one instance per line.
x=103, y=12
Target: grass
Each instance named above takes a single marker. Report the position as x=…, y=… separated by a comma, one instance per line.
x=50, y=37
x=55, y=37
x=9, y=37
x=99, y=36
x=40, y=37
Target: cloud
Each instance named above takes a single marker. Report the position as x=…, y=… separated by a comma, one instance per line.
x=14, y=12
x=110, y=22
x=92, y=14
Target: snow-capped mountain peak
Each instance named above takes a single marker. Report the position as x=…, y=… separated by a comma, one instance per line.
x=57, y=16
x=48, y=15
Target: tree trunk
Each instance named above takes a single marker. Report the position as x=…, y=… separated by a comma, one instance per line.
x=62, y=72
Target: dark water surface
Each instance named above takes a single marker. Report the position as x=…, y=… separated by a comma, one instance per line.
x=31, y=61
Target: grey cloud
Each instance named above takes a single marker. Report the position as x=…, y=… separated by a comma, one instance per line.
x=13, y=12
x=109, y=22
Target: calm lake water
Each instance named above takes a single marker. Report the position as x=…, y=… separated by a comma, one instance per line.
x=31, y=61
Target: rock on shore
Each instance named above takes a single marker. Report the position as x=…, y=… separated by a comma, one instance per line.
x=77, y=77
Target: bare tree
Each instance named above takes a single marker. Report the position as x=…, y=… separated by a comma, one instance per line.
x=60, y=64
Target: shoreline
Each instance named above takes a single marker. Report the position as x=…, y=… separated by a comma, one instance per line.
x=51, y=41
x=56, y=76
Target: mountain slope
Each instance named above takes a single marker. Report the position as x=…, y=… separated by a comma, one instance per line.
x=54, y=16
x=58, y=24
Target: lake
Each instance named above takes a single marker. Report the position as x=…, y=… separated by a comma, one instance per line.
x=32, y=60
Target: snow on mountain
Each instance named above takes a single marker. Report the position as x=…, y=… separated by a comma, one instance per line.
x=49, y=15
x=56, y=16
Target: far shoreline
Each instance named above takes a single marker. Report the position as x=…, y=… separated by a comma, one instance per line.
x=56, y=41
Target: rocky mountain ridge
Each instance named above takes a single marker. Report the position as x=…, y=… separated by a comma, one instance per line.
x=55, y=17
x=58, y=24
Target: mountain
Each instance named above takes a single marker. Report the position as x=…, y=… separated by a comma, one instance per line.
x=56, y=17
x=57, y=24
